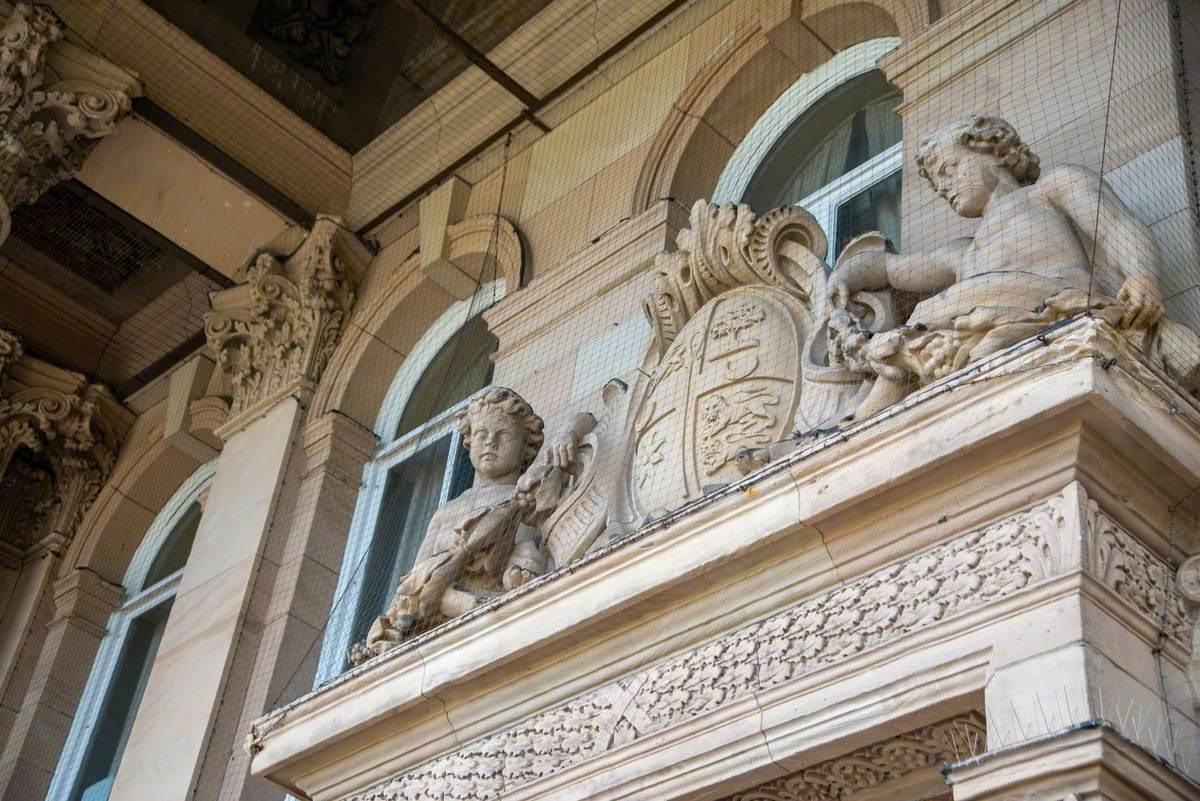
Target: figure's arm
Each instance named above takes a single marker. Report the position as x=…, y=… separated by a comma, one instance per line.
x=872, y=270
x=563, y=451
x=1117, y=240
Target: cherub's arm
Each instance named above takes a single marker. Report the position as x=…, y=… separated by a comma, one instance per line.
x=1115, y=238
x=563, y=451
x=872, y=270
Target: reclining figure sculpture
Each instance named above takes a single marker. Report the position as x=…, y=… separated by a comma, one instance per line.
x=1045, y=245
x=484, y=542
x=1049, y=246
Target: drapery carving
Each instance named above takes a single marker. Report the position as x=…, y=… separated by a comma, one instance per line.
x=59, y=436
x=1189, y=587
x=56, y=102
x=274, y=334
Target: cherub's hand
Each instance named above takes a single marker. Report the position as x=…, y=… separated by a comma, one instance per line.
x=515, y=576
x=837, y=292
x=1143, y=301
x=563, y=450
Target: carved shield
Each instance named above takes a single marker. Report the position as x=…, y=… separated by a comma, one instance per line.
x=729, y=380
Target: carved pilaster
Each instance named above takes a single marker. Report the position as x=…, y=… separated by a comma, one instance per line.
x=56, y=102
x=1189, y=587
x=59, y=436
x=273, y=335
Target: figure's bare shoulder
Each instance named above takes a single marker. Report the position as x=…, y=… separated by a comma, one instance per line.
x=1064, y=181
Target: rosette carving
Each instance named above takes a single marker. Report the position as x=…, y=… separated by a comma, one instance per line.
x=49, y=128
x=274, y=334
x=59, y=436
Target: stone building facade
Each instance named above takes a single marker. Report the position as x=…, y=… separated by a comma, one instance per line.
x=478, y=444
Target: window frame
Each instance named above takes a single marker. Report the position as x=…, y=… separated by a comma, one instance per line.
x=100, y=678
x=789, y=107
x=391, y=451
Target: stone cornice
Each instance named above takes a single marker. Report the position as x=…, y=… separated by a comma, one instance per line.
x=272, y=336
x=1052, y=386
x=59, y=437
x=1047, y=540
x=56, y=103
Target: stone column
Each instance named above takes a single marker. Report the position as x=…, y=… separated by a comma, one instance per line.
x=272, y=337
x=59, y=436
x=310, y=540
x=82, y=604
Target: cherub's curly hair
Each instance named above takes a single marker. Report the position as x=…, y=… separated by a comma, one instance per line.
x=985, y=135
x=516, y=408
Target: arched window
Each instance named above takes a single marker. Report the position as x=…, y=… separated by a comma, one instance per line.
x=419, y=465
x=831, y=144
x=102, y=723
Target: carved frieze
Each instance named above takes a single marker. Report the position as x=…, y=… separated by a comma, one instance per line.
x=976, y=568
x=273, y=335
x=59, y=436
x=56, y=102
x=927, y=747
x=1189, y=587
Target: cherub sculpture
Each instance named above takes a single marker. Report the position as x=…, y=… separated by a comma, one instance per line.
x=485, y=541
x=1045, y=244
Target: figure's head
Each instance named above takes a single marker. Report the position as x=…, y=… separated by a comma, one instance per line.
x=501, y=432
x=968, y=159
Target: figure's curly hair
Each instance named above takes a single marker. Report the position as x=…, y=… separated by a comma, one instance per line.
x=516, y=408
x=984, y=134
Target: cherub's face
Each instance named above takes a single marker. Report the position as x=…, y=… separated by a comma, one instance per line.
x=965, y=178
x=497, y=443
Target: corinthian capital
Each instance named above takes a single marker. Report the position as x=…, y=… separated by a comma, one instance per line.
x=59, y=436
x=273, y=335
x=56, y=102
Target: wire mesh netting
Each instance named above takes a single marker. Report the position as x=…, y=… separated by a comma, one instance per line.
x=687, y=244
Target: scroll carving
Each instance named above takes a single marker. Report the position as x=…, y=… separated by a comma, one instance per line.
x=274, y=334
x=59, y=436
x=56, y=103
x=870, y=766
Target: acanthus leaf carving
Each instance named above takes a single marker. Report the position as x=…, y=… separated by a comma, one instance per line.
x=275, y=333
x=57, y=448
x=874, y=764
x=49, y=129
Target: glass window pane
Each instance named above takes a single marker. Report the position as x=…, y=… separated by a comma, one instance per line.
x=410, y=497
x=120, y=705
x=173, y=554
x=876, y=208
x=843, y=130
x=462, y=366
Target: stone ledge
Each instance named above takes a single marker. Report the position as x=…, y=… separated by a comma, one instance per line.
x=454, y=686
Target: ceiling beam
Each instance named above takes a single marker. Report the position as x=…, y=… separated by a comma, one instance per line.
x=499, y=134
x=468, y=51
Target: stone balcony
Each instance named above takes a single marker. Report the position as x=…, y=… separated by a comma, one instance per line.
x=994, y=557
